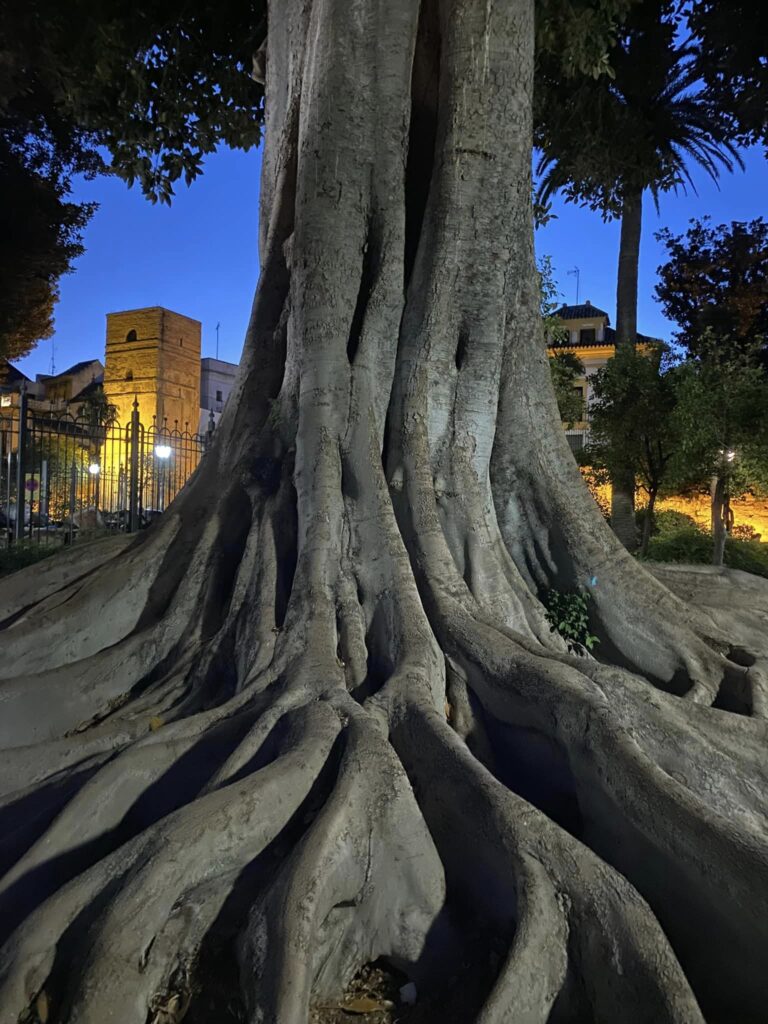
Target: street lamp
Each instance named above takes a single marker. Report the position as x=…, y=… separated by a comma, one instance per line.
x=163, y=452
x=94, y=469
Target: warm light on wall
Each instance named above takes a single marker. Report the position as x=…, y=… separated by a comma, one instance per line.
x=163, y=451
x=94, y=469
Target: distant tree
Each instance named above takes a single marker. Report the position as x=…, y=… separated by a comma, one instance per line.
x=729, y=39
x=721, y=419
x=606, y=140
x=714, y=286
x=40, y=237
x=567, y=368
x=632, y=428
x=555, y=331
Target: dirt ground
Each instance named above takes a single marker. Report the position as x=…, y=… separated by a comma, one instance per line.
x=374, y=995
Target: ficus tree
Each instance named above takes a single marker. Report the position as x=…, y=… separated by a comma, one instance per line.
x=316, y=717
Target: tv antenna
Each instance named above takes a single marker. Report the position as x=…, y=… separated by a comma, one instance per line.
x=575, y=273
x=217, y=340
x=53, y=357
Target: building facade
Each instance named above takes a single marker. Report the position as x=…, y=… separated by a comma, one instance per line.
x=593, y=340
x=153, y=355
x=217, y=379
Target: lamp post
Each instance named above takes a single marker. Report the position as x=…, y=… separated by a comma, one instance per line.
x=163, y=453
x=95, y=470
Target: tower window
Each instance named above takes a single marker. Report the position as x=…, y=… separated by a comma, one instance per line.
x=219, y=397
x=180, y=342
x=131, y=336
x=129, y=374
x=587, y=335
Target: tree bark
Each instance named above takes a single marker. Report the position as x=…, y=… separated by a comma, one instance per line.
x=648, y=522
x=623, y=484
x=720, y=518
x=316, y=717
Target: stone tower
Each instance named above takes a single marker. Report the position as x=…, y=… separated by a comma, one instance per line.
x=154, y=355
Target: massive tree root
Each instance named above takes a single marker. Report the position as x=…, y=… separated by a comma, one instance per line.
x=317, y=717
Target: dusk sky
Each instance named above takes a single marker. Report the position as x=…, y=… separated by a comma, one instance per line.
x=200, y=256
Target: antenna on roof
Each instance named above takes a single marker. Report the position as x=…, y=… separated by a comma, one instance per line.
x=217, y=340
x=575, y=273
x=53, y=357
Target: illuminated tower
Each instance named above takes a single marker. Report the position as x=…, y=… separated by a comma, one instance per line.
x=154, y=355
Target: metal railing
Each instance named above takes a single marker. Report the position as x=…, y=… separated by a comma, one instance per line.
x=62, y=476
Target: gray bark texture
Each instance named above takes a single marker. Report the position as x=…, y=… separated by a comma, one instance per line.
x=623, y=484
x=315, y=718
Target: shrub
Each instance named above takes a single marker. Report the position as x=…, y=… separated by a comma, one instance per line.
x=669, y=520
x=665, y=521
x=694, y=546
x=19, y=556
x=689, y=544
x=568, y=615
x=749, y=555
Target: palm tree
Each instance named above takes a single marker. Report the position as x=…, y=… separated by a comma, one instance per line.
x=610, y=139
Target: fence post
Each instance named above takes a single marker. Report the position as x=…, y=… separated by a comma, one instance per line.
x=209, y=431
x=18, y=526
x=72, y=500
x=133, y=479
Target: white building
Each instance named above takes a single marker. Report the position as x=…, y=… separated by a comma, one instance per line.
x=217, y=379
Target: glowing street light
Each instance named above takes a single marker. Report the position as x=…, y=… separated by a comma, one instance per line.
x=94, y=469
x=163, y=451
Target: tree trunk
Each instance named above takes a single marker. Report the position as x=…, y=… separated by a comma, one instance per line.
x=720, y=518
x=316, y=717
x=648, y=523
x=623, y=484
x=629, y=259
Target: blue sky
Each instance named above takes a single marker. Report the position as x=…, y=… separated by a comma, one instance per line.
x=200, y=256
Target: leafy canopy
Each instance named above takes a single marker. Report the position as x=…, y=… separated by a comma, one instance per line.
x=632, y=427
x=40, y=237
x=633, y=128
x=140, y=90
x=145, y=91
x=161, y=84
x=714, y=286
x=721, y=421
x=730, y=41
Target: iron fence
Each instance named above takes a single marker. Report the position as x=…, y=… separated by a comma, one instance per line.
x=62, y=476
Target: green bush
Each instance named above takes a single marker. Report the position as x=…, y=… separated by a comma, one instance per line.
x=19, y=556
x=695, y=546
x=568, y=615
x=666, y=521
x=749, y=555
